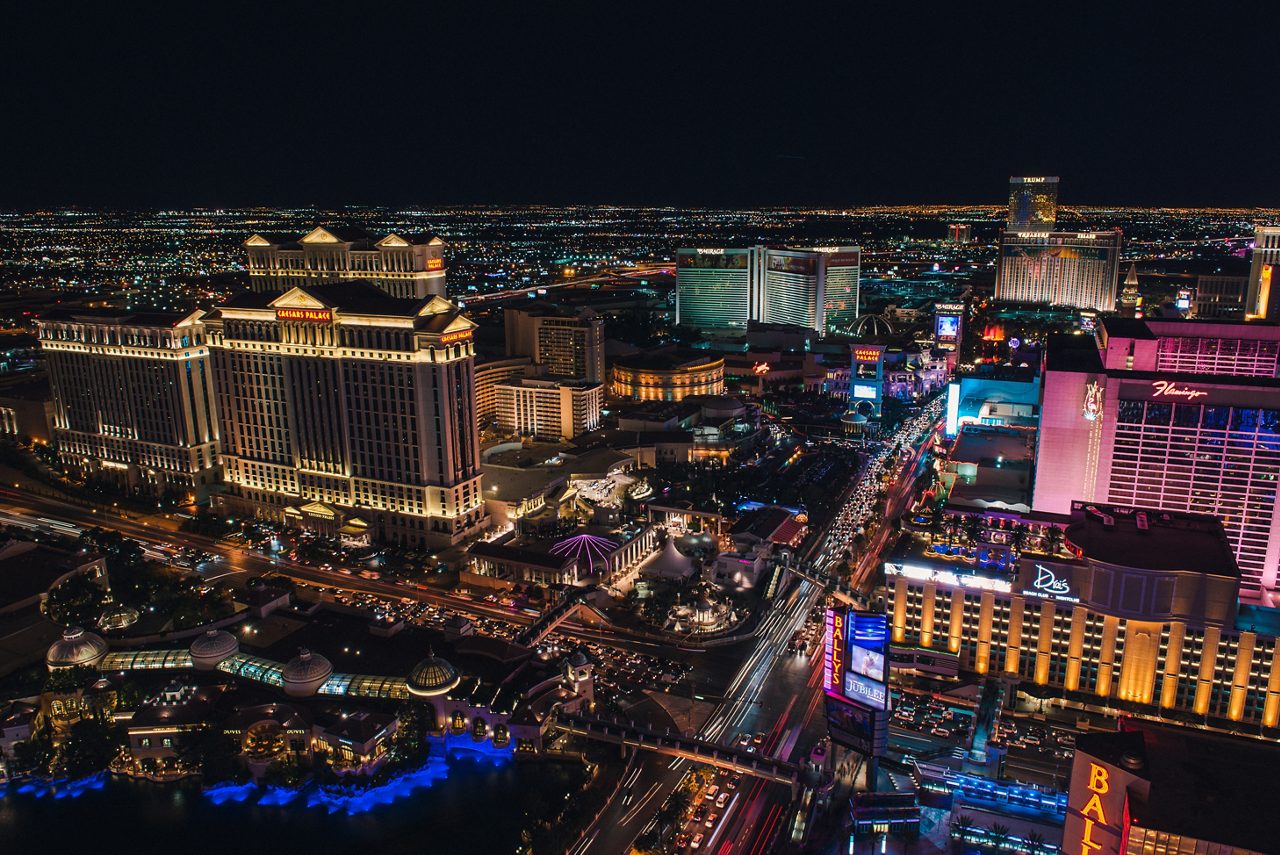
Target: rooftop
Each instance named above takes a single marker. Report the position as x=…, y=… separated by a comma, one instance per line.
x=1151, y=539
x=1203, y=786
x=669, y=360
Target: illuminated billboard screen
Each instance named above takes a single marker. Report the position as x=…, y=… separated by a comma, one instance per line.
x=947, y=327
x=856, y=653
x=863, y=391
x=953, y=409
x=865, y=731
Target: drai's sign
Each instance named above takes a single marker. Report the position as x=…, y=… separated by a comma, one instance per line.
x=1169, y=389
x=1047, y=585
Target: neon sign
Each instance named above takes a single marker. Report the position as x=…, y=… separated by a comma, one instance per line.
x=314, y=316
x=833, y=658
x=1047, y=585
x=435, y=263
x=1093, y=813
x=1168, y=389
x=1046, y=581
x=460, y=335
x=1092, y=401
x=866, y=354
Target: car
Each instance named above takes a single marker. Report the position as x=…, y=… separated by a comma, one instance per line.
x=712, y=790
x=682, y=840
x=696, y=841
x=722, y=799
x=733, y=782
x=711, y=820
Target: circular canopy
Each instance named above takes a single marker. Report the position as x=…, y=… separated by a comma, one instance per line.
x=76, y=647
x=431, y=677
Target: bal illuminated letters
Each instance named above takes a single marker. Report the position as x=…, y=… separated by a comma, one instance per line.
x=1093, y=813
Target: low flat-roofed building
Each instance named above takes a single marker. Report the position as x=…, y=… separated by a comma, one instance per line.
x=356, y=743
x=593, y=554
x=549, y=409
x=667, y=375
x=1174, y=791
x=991, y=469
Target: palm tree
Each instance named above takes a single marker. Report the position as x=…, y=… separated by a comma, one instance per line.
x=1055, y=538
x=1035, y=842
x=961, y=826
x=999, y=835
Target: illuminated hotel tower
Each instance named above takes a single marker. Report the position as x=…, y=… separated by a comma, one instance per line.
x=1174, y=415
x=407, y=266
x=344, y=408
x=1263, y=301
x=133, y=398
x=1078, y=269
x=816, y=288
x=1033, y=204
x=717, y=288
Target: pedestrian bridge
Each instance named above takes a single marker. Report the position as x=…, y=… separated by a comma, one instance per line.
x=570, y=605
x=837, y=587
x=632, y=735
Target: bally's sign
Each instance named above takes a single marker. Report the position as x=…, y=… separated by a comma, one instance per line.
x=313, y=316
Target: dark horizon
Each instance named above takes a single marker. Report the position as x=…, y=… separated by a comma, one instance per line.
x=275, y=107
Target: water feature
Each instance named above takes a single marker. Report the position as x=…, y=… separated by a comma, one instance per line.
x=467, y=802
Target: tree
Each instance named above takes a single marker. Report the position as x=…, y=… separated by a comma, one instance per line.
x=999, y=835
x=34, y=754
x=75, y=602
x=211, y=752
x=1035, y=842
x=89, y=747
x=962, y=825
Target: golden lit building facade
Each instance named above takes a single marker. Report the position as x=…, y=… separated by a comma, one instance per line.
x=669, y=376
x=133, y=399
x=406, y=266
x=1146, y=615
x=344, y=406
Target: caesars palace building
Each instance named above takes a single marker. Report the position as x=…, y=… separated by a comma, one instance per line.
x=1137, y=609
x=348, y=411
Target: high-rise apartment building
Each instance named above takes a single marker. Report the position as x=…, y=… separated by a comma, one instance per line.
x=727, y=289
x=561, y=342
x=553, y=410
x=1264, y=275
x=1220, y=297
x=406, y=266
x=959, y=233
x=1033, y=204
x=490, y=375
x=1077, y=269
x=133, y=398
x=1173, y=415
x=343, y=407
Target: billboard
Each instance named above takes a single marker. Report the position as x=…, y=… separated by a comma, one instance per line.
x=863, y=730
x=857, y=647
x=947, y=328
x=856, y=679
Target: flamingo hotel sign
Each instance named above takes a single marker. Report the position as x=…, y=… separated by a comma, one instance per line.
x=1169, y=389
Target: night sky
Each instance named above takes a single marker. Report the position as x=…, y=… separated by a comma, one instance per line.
x=292, y=104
